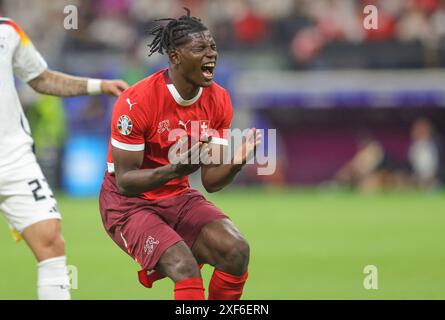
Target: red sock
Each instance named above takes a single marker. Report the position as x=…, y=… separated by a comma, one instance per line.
x=189, y=289
x=147, y=278
x=224, y=286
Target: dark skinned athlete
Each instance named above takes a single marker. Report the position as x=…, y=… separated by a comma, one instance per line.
x=146, y=202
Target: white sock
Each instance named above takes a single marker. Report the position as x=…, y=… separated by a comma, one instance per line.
x=53, y=282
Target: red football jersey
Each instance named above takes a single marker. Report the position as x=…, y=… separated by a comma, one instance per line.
x=146, y=113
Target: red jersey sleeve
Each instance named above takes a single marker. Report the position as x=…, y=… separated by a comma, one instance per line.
x=128, y=123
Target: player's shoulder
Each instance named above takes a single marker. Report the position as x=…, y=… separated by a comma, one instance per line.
x=6, y=20
x=220, y=96
x=217, y=90
x=10, y=22
x=140, y=98
x=221, y=102
x=9, y=25
x=144, y=88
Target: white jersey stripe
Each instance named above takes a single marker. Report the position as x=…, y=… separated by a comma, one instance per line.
x=110, y=167
x=126, y=146
x=219, y=141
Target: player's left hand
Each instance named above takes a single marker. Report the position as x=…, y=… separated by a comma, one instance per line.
x=113, y=87
x=248, y=147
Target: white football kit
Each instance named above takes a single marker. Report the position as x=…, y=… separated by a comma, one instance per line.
x=25, y=197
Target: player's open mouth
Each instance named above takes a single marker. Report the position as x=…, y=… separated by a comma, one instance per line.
x=208, y=70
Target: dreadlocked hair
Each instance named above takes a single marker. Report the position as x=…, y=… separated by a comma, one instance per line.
x=175, y=33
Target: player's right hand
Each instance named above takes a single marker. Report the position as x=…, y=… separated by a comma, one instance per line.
x=190, y=160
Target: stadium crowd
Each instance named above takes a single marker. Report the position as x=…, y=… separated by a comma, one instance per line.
x=301, y=29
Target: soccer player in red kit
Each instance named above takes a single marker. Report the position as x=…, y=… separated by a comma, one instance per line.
x=146, y=203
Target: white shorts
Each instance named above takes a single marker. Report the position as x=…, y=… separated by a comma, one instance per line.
x=25, y=196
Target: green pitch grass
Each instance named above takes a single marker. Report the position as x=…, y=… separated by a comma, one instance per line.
x=304, y=245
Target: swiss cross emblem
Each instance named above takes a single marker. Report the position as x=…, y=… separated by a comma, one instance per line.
x=164, y=125
x=203, y=126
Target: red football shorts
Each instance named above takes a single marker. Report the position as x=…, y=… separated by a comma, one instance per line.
x=146, y=228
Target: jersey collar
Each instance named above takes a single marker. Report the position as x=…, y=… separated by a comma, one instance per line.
x=177, y=97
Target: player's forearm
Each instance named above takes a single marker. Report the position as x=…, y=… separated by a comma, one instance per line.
x=135, y=182
x=215, y=178
x=59, y=84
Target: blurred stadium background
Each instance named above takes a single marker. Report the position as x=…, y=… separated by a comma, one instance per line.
x=360, y=120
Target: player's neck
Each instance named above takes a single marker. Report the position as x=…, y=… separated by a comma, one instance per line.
x=185, y=89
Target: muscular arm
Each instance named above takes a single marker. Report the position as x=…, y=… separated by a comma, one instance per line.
x=63, y=85
x=59, y=84
x=132, y=180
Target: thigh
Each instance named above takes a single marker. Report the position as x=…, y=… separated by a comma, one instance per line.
x=197, y=213
x=27, y=198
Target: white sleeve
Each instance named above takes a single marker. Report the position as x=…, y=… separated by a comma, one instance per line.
x=27, y=62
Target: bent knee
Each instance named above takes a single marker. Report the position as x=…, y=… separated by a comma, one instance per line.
x=187, y=268
x=181, y=269
x=235, y=258
x=178, y=263
x=53, y=241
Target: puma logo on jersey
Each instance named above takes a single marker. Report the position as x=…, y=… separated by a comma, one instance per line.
x=184, y=125
x=130, y=104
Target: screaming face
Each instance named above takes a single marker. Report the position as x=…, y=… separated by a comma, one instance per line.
x=197, y=58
